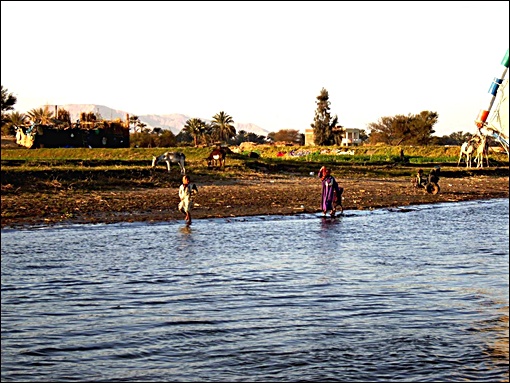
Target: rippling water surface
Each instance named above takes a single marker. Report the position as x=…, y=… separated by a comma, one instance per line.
x=415, y=294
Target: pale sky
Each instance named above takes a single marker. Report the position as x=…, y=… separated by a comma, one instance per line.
x=260, y=62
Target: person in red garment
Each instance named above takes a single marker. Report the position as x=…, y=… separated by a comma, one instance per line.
x=331, y=196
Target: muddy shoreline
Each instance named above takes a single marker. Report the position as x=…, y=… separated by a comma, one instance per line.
x=222, y=198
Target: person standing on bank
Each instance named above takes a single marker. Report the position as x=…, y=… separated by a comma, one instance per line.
x=186, y=193
x=331, y=195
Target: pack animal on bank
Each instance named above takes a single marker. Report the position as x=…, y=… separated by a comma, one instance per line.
x=171, y=157
x=217, y=158
x=477, y=149
x=466, y=150
x=482, y=152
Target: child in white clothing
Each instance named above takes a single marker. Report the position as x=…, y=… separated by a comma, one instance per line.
x=186, y=193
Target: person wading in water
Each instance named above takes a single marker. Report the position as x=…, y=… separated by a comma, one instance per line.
x=331, y=196
x=186, y=193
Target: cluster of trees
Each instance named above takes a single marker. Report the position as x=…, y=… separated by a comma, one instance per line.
x=43, y=116
x=413, y=129
x=198, y=132
x=159, y=137
x=195, y=132
x=397, y=130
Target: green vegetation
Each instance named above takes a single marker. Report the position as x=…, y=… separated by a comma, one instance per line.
x=195, y=156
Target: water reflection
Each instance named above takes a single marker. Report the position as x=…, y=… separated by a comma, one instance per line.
x=186, y=229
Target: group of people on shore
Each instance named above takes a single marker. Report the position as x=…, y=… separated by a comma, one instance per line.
x=331, y=195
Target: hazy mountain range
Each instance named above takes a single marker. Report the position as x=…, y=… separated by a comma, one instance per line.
x=174, y=122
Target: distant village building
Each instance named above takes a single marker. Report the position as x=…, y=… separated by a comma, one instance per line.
x=86, y=132
x=350, y=137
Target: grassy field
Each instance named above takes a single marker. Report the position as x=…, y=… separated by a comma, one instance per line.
x=98, y=158
x=102, y=169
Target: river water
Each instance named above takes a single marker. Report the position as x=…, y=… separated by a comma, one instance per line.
x=411, y=294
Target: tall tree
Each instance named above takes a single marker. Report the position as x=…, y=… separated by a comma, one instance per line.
x=323, y=122
x=223, y=127
x=196, y=128
x=422, y=127
x=410, y=130
x=8, y=102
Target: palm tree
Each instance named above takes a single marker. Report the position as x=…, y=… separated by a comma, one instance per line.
x=41, y=116
x=15, y=120
x=223, y=128
x=196, y=128
x=18, y=119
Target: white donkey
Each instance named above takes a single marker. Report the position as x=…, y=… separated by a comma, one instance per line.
x=467, y=149
x=169, y=157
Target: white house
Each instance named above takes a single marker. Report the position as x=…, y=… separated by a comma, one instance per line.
x=351, y=137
